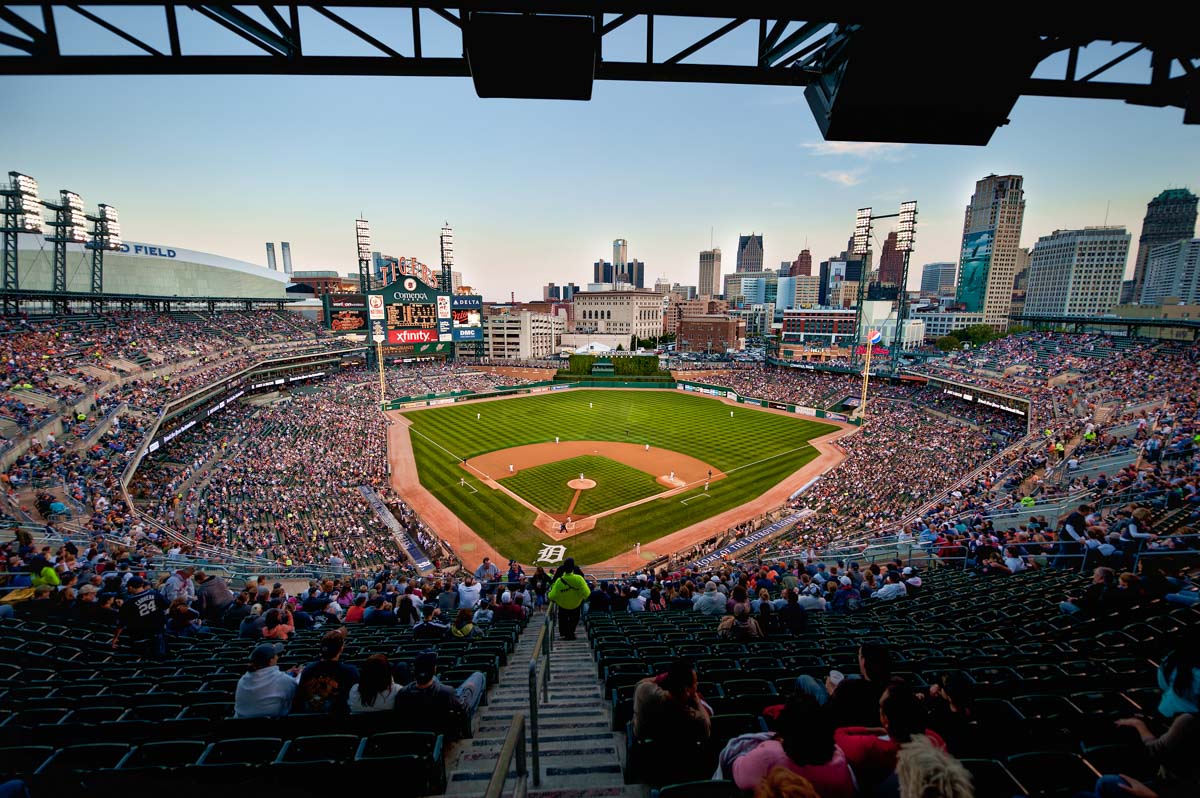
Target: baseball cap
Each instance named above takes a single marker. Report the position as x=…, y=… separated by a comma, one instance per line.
x=89, y=589
x=845, y=580
x=425, y=665
x=265, y=652
x=506, y=597
x=136, y=581
x=908, y=571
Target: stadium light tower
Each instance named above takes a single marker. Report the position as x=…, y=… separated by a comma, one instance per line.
x=446, y=277
x=906, y=237
x=106, y=236
x=362, y=233
x=22, y=213
x=70, y=225
x=860, y=246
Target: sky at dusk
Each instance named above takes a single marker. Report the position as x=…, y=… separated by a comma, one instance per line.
x=537, y=190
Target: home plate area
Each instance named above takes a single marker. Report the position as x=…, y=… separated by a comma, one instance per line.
x=569, y=485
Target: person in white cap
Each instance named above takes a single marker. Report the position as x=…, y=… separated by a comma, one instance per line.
x=710, y=602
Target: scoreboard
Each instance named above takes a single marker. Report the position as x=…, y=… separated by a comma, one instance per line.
x=408, y=313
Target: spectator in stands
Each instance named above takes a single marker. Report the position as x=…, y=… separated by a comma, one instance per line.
x=180, y=585
x=1097, y=598
x=540, y=582
x=871, y=751
x=325, y=685
x=568, y=590
x=740, y=627
x=924, y=770
x=469, y=591
x=711, y=602
x=430, y=628
x=183, y=621
x=432, y=706
x=264, y=691
x=383, y=615
x=213, y=596
x=793, y=617
x=278, y=625
x=668, y=708
x=847, y=597
x=681, y=600
x=893, y=587
x=856, y=701
x=508, y=611
x=463, y=627
x=487, y=571
x=950, y=709
x=484, y=614
x=1174, y=752
x=142, y=616
x=804, y=745
x=375, y=691
x=355, y=613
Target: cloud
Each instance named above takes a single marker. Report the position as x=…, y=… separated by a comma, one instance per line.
x=844, y=178
x=856, y=149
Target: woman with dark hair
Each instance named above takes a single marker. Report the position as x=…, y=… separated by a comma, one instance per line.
x=804, y=744
x=279, y=624
x=406, y=611
x=375, y=691
x=871, y=751
x=463, y=627
x=540, y=582
x=656, y=603
x=738, y=596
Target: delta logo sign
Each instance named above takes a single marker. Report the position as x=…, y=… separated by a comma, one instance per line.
x=412, y=336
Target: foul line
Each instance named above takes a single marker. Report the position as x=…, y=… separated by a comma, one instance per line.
x=697, y=496
x=457, y=459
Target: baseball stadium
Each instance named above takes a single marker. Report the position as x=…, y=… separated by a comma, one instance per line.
x=803, y=531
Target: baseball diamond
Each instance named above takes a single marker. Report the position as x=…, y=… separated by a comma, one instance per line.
x=649, y=453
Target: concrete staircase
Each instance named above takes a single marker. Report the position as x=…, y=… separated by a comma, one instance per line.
x=579, y=756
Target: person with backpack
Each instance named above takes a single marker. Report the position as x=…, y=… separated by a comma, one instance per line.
x=568, y=590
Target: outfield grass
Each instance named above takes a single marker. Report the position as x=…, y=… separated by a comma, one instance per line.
x=755, y=449
x=545, y=486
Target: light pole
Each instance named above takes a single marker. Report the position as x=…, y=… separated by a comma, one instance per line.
x=22, y=213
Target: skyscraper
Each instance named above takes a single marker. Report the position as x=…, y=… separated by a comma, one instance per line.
x=891, y=262
x=750, y=253
x=602, y=272
x=991, y=235
x=1170, y=217
x=1173, y=270
x=938, y=278
x=620, y=252
x=710, y=272
x=445, y=278
x=802, y=265
x=634, y=272
x=1077, y=272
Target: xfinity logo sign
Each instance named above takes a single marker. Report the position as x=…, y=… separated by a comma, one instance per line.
x=412, y=336
x=142, y=249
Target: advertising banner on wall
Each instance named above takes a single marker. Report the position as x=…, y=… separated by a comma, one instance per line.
x=375, y=306
x=348, y=321
x=412, y=336
x=976, y=258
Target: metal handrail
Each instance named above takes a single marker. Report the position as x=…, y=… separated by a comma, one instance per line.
x=541, y=651
x=514, y=745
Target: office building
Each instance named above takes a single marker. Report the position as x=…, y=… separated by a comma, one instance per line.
x=635, y=313
x=686, y=291
x=456, y=282
x=835, y=271
x=512, y=334
x=711, y=334
x=632, y=272
x=825, y=327
x=751, y=288
x=750, y=253
x=938, y=278
x=1077, y=272
x=620, y=252
x=679, y=307
x=1173, y=274
x=1170, y=217
x=891, y=262
x=710, y=272
x=991, y=238
x=550, y=292
x=802, y=265
x=939, y=323
x=802, y=291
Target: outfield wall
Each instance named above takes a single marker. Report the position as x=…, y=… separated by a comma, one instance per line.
x=453, y=397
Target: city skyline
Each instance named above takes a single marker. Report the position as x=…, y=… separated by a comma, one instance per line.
x=521, y=207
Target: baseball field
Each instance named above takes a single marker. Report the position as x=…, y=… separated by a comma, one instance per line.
x=600, y=471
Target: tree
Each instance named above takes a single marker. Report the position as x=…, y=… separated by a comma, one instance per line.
x=978, y=334
x=947, y=343
x=620, y=348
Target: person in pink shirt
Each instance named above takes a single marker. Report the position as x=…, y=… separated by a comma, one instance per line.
x=279, y=625
x=871, y=751
x=803, y=744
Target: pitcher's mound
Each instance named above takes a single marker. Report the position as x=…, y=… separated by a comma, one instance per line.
x=581, y=484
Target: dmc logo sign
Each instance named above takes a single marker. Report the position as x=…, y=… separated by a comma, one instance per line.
x=412, y=336
x=142, y=249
